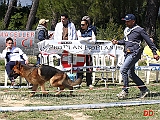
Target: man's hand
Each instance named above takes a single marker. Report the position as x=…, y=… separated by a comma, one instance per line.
x=8, y=47
x=156, y=57
x=50, y=35
x=114, y=42
x=26, y=62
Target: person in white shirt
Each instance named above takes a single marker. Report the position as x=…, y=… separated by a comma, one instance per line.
x=65, y=30
x=13, y=54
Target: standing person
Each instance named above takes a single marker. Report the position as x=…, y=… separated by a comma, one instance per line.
x=86, y=34
x=90, y=24
x=13, y=54
x=133, y=36
x=41, y=34
x=65, y=30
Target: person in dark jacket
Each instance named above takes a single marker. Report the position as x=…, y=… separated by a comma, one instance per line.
x=90, y=24
x=87, y=35
x=133, y=37
x=41, y=34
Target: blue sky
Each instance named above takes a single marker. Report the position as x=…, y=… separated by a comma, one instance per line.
x=26, y=2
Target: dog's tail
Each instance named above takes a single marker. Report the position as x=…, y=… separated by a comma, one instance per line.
x=75, y=82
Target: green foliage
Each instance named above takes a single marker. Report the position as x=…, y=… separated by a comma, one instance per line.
x=3, y=8
x=100, y=11
x=112, y=31
x=2, y=24
x=105, y=14
x=2, y=65
x=157, y=39
x=15, y=22
x=2, y=62
x=142, y=63
x=76, y=9
x=32, y=59
x=19, y=18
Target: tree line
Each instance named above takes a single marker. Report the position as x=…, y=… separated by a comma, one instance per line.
x=105, y=15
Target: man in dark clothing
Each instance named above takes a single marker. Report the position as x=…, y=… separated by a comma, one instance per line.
x=133, y=36
x=41, y=33
x=86, y=34
x=90, y=24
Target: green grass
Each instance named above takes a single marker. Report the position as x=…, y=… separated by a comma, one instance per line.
x=19, y=97
x=116, y=113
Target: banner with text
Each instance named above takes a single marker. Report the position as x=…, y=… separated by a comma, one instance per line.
x=79, y=47
x=22, y=39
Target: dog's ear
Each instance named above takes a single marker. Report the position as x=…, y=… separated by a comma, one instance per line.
x=17, y=63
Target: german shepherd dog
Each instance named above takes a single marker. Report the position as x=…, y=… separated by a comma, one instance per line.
x=43, y=73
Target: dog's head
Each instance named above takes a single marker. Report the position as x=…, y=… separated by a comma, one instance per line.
x=16, y=70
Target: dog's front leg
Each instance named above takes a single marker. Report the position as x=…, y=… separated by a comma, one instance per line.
x=34, y=88
x=43, y=89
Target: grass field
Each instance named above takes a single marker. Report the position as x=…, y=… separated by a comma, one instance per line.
x=100, y=94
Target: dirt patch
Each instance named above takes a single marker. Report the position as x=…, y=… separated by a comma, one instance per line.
x=14, y=103
x=78, y=116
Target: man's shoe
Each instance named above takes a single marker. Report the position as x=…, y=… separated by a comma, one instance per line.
x=144, y=93
x=12, y=82
x=122, y=95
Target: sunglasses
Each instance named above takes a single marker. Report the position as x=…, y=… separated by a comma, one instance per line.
x=10, y=43
x=82, y=24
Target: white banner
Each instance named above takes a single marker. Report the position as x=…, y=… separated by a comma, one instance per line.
x=79, y=47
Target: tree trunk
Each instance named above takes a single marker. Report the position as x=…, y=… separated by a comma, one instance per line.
x=32, y=14
x=9, y=13
x=151, y=17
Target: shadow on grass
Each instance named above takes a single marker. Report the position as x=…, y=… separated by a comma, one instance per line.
x=154, y=94
x=53, y=95
x=151, y=95
x=100, y=82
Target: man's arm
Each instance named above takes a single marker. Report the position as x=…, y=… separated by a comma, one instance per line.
x=74, y=32
x=120, y=42
x=41, y=35
x=149, y=42
x=24, y=56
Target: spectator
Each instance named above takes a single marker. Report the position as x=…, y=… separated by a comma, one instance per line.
x=41, y=34
x=133, y=36
x=13, y=54
x=65, y=30
x=86, y=34
x=90, y=24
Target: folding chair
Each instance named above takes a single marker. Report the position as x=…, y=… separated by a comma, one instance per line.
x=101, y=61
x=119, y=63
x=50, y=60
x=20, y=79
x=150, y=63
